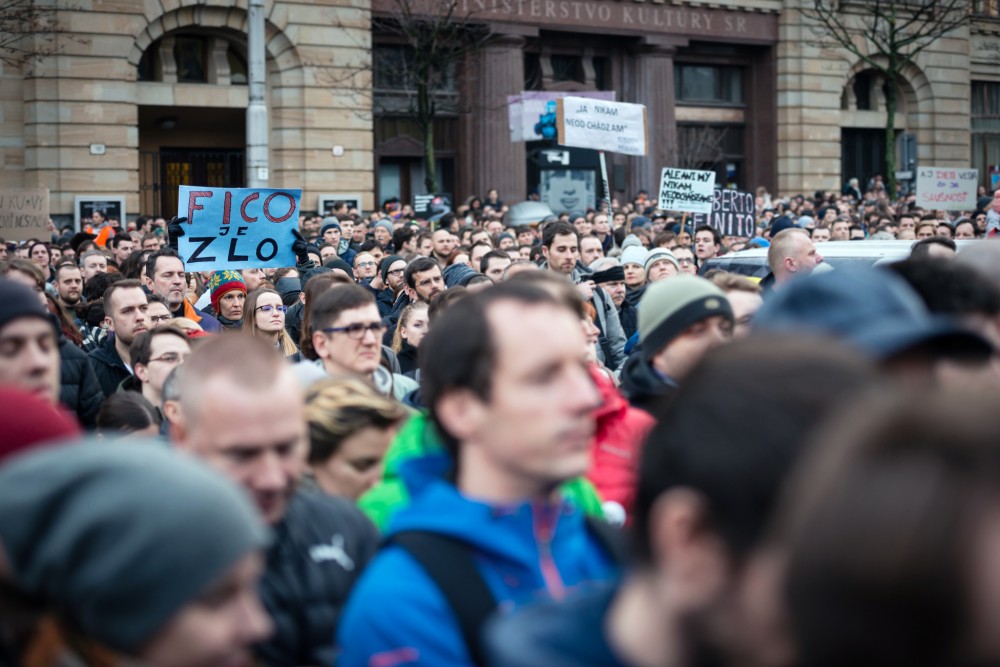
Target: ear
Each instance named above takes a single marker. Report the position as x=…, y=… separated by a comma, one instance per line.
x=141, y=372
x=463, y=413
x=319, y=343
x=789, y=264
x=545, y=252
x=179, y=430
x=682, y=543
x=412, y=293
x=109, y=324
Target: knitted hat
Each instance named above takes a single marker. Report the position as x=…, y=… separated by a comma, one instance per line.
x=329, y=223
x=29, y=421
x=388, y=261
x=670, y=306
x=661, y=253
x=505, y=235
x=631, y=240
x=634, y=255
x=384, y=223
x=641, y=221
x=17, y=301
x=454, y=274
x=222, y=282
x=131, y=534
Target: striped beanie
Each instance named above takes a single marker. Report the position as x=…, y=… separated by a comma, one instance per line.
x=222, y=282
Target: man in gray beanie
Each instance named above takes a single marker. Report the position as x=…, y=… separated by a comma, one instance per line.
x=136, y=550
x=27, y=329
x=680, y=320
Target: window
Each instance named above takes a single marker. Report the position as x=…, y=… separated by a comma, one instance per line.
x=186, y=58
x=708, y=84
x=986, y=7
x=190, y=56
x=393, y=65
x=985, y=126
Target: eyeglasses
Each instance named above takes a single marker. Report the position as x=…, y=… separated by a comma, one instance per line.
x=360, y=264
x=396, y=272
x=269, y=308
x=684, y=260
x=153, y=319
x=357, y=331
x=170, y=358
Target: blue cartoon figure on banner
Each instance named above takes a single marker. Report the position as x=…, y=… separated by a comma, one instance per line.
x=546, y=125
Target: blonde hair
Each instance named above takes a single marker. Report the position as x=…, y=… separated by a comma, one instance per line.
x=285, y=342
x=404, y=320
x=337, y=409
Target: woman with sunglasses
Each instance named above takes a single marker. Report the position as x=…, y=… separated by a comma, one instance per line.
x=264, y=316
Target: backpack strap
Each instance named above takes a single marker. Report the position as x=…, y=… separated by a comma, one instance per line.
x=449, y=563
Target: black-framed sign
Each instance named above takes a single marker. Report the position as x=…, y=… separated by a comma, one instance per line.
x=110, y=206
x=325, y=202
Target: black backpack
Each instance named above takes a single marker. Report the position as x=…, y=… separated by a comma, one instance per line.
x=449, y=563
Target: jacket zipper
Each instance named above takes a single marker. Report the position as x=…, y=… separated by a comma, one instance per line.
x=544, y=520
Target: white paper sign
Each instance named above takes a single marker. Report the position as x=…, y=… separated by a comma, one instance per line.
x=687, y=190
x=606, y=126
x=947, y=188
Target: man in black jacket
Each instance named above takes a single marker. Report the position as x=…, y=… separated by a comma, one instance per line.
x=125, y=309
x=241, y=410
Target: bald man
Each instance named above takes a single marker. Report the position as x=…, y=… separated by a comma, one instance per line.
x=792, y=253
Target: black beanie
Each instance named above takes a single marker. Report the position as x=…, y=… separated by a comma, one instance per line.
x=17, y=301
x=388, y=261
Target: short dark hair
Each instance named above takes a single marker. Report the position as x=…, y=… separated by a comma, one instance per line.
x=98, y=284
x=117, y=239
x=69, y=264
x=325, y=310
x=118, y=285
x=151, y=260
x=484, y=261
x=402, y=236
x=459, y=350
x=716, y=236
x=142, y=345
x=554, y=229
x=950, y=288
x=418, y=265
x=737, y=453
x=126, y=411
x=921, y=249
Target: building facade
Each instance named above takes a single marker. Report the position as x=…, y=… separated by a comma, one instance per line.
x=140, y=97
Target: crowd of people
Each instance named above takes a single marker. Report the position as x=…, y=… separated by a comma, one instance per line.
x=479, y=439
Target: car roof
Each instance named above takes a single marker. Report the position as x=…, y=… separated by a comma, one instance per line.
x=753, y=262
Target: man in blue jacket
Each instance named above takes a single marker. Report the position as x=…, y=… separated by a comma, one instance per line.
x=505, y=378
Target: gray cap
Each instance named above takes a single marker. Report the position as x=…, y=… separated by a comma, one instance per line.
x=118, y=538
x=657, y=254
x=668, y=307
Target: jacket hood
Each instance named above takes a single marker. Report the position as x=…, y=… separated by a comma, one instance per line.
x=640, y=381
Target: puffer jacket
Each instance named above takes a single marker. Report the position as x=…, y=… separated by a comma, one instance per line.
x=319, y=550
x=621, y=431
x=523, y=551
x=418, y=438
x=79, y=388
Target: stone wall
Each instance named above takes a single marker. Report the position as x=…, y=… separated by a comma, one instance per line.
x=88, y=93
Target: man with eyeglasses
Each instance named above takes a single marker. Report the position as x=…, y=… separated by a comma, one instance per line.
x=125, y=309
x=686, y=261
x=155, y=354
x=365, y=267
x=347, y=337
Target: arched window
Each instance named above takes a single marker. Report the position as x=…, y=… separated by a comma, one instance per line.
x=194, y=57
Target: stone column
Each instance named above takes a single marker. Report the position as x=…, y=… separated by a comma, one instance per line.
x=498, y=162
x=653, y=86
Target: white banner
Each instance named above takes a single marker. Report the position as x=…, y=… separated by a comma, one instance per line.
x=687, y=190
x=606, y=126
x=947, y=188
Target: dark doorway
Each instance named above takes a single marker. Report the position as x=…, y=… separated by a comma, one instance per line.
x=862, y=154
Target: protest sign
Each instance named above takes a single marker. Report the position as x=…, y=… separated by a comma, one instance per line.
x=525, y=110
x=605, y=126
x=732, y=213
x=687, y=190
x=111, y=207
x=425, y=206
x=947, y=188
x=24, y=214
x=237, y=228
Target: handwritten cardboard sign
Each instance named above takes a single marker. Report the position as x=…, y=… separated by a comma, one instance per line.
x=237, y=228
x=947, y=188
x=24, y=214
x=733, y=213
x=617, y=127
x=687, y=190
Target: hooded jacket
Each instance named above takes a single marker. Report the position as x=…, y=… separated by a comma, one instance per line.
x=397, y=614
x=418, y=438
x=643, y=386
x=628, y=313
